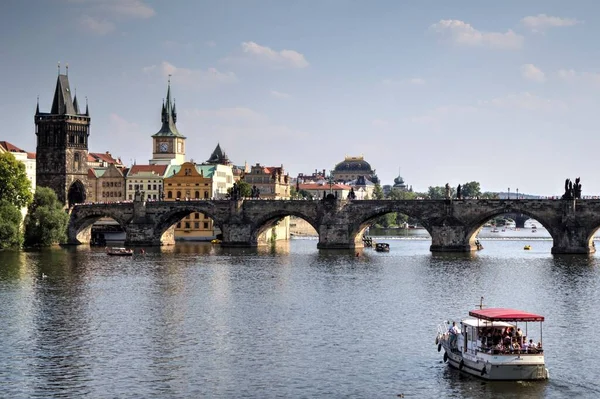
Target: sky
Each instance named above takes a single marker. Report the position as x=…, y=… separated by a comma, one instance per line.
x=503, y=93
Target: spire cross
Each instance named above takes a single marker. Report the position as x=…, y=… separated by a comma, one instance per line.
x=169, y=78
x=59, y=67
x=67, y=67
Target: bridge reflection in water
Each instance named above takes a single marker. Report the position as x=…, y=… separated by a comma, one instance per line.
x=452, y=224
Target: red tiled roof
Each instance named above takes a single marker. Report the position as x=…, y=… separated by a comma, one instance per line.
x=158, y=169
x=315, y=186
x=91, y=174
x=104, y=157
x=10, y=147
x=31, y=155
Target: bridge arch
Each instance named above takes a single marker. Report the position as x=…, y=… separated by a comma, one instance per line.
x=81, y=221
x=357, y=229
x=475, y=226
x=270, y=220
x=183, y=209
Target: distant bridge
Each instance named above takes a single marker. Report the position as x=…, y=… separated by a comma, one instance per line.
x=452, y=224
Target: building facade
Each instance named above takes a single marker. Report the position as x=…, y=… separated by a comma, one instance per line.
x=106, y=184
x=62, y=146
x=271, y=181
x=147, y=179
x=168, y=145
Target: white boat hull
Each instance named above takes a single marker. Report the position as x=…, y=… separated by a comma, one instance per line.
x=512, y=367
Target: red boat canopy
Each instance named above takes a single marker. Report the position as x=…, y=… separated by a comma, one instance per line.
x=503, y=314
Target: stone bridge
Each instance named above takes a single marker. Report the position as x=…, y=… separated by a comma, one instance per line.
x=452, y=224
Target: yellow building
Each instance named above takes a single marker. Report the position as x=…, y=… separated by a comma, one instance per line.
x=191, y=182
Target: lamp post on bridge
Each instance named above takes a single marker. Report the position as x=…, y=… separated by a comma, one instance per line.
x=517, y=193
x=509, y=193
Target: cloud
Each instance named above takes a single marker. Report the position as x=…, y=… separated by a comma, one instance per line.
x=526, y=101
x=439, y=114
x=255, y=53
x=278, y=94
x=462, y=33
x=411, y=81
x=573, y=76
x=198, y=78
x=531, y=72
x=380, y=123
x=541, y=22
x=95, y=25
x=242, y=132
x=99, y=16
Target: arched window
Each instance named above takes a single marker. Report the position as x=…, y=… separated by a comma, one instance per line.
x=178, y=194
x=206, y=195
x=170, y=194
x=197, y=195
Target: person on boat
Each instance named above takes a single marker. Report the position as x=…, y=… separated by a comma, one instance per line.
x=454, y=331
x=519, y=336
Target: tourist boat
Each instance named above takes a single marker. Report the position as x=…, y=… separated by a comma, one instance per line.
x=116, y=251
x=478, y=347
x=215, y=241
x=382, y=247
x=494, y=230
x=527, y=247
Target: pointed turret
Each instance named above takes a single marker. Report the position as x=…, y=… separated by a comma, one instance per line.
x=218, y=157
x=76, y=105
x=87, y=109
x=168, y=118
x=62, y=103
x=37, y=107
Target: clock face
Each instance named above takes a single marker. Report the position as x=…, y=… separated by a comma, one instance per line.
x=164, y=147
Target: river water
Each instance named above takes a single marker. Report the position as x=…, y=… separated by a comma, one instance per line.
x=196, y=320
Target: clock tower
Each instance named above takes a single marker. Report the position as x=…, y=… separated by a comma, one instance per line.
x=168, y=145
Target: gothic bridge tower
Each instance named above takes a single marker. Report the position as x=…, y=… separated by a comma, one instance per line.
x=62, y=145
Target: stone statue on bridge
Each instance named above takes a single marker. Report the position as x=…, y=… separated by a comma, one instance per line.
x=447, y=190
x=459, y=192
x=572, y=191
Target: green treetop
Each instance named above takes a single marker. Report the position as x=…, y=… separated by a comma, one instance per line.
x=15, y=187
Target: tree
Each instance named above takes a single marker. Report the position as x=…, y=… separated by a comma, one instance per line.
x=471, y=190
x=439, y=192
x=10, y=225
x=46, y=221
x=378, y=192
x=245, y=189
x=397, y=194
x=15, y=187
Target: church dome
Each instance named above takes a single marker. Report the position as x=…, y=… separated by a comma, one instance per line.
x=399, y=181
x=354, y=164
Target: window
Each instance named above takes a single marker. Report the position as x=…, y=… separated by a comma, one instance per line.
x=187, y=225
x=206, y=195
x=153, y=187
x=206, y=225
x=179, y=225
x=196, y=215
x=131, y=186
x=170, y=194
x=178, y=194
x=197, y=195
x=196, y=225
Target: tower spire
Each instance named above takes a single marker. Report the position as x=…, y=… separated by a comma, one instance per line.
x=59, y=67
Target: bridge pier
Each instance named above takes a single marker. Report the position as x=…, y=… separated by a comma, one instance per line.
x=237, y=235
x=572, y=240
x=77, y=238
x=450, y=239
x=144, y=235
